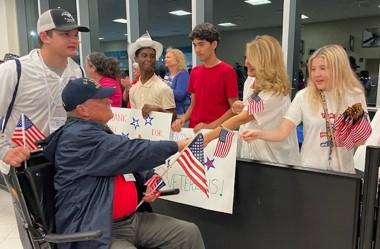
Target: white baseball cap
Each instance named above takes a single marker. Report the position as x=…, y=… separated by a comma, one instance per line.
x=58, y=19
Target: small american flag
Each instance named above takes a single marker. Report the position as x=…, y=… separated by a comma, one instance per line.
x=362, y=129
x=255, y=104
x=155, y=182
x=191, y=160
x=224, y=143
x=26, y=133
x=342, y=132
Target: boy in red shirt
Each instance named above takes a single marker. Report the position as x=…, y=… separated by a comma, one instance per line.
x=213, y=85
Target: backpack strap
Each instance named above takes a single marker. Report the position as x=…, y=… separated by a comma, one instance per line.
x=10, y=107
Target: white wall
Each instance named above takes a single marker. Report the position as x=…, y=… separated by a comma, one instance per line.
x=8, y=28
x=319, y=34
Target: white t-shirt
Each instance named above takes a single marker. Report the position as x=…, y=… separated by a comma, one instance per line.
x=244, y=149
x=275, y=107
x=39, y=89
x=315, y=148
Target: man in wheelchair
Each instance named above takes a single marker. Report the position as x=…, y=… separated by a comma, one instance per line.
x=99, y=178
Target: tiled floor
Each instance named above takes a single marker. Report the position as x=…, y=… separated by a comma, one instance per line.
x=9, y=238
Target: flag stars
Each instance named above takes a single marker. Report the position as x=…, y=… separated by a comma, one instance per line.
x=148, y=120
x=135, y=123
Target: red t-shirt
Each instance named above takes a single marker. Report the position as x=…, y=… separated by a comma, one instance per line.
x=212, y=88
x=124, y=198
x=118, y=95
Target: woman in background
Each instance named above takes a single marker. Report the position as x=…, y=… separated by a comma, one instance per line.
x=105, y=70
x=178, y=79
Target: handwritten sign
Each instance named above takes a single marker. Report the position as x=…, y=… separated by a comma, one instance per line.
x=220, y=173
x=130, y=123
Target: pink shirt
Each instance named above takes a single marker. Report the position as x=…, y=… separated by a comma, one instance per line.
x=212, y=88
x=116, y=98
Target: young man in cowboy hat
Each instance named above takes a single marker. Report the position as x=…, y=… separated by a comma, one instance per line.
x=90, y=159
x=44, y=72
x=150, y=93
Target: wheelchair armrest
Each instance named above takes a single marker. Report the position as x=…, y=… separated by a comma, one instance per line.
x=173, y=191
x=72, y=237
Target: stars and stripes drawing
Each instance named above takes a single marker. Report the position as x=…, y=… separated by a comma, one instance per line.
x=191, y=160
x=26, y=133
x=255, y=104
x=224, y=143
x=155, y=183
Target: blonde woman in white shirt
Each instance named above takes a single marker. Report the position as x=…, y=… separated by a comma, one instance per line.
x=332, y=87
x=270, y=93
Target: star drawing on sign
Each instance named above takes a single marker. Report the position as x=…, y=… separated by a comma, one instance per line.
x=148, y=120
x=210, y=163
x=135, y=123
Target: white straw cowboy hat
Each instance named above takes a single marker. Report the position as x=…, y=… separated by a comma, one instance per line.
x=145, y=41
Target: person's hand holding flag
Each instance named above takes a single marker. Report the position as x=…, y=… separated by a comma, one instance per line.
x=153, y=187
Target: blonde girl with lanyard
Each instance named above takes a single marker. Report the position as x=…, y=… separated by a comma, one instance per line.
x=267, y=104
x=332, y=87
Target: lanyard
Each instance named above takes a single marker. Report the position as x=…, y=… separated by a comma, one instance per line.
x=329, y=130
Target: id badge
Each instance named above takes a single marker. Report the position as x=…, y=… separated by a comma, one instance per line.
x=55, y=123
x=129, y=178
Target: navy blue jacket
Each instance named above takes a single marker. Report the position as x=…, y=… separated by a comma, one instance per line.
x=87, y=155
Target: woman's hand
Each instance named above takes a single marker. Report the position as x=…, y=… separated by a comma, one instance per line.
x=249, y=135
x=237, y=107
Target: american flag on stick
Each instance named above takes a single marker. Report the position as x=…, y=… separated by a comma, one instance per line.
x=155, y=183
x=191, y=160
x=224, y=143
x=255, y=104
x=26, y=133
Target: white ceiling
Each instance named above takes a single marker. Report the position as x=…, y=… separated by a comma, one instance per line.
x=155, y=17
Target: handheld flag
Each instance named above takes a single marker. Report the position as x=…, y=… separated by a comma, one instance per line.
x=191, y=160
x=224, y=143
x=26, y=133
x=362, y=129
x=255, y=104
x=155, y=182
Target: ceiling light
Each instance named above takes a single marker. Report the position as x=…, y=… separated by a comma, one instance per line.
x=227, y=24
x=304, y=16
x=126, y=34
x=257, y=2
x=179, y=13
x=120, y=20
x=32, y=33
x=101, y=38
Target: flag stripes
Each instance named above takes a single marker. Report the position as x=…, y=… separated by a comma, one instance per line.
x=224, y=143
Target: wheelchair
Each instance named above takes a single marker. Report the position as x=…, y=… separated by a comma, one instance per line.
x=32, y=191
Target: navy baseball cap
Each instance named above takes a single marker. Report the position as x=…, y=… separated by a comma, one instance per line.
x=80, y=90
x=58, y=19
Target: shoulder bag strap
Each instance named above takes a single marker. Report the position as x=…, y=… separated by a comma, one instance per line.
x=10, y=107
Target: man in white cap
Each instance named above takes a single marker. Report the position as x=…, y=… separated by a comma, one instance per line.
x=42, y=73
x=150, y=93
